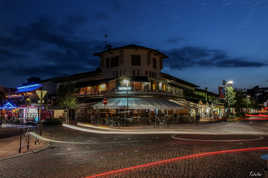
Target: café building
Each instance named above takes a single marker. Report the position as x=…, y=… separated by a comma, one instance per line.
x=129, y=84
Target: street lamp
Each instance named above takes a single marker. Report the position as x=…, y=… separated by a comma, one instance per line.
x=126, y=83
x=229, y=83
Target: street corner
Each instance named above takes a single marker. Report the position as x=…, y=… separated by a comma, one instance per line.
x=15, y=146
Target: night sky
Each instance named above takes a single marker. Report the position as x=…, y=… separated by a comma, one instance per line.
x=207, y=41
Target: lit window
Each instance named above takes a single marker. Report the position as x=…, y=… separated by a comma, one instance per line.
x=102, y=87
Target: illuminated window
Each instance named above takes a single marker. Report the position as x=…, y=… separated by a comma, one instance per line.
x=160, y=85
x=82, y=91
x=102, y=87
x=154, y=86
x=89, y=90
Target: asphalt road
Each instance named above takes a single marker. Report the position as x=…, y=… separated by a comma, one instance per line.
x=102, y=153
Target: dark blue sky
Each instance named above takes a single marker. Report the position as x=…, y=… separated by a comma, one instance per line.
x=207, y=41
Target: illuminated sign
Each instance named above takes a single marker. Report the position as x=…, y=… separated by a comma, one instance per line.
x=27, y=88
x=41, y=93
x=8, y=106
x=124, y=88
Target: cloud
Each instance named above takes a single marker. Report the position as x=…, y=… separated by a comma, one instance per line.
x=175, y=40
x=190, y=56
x=102, y=16
x=116, y=5
x=7, y=54
x=46, y=48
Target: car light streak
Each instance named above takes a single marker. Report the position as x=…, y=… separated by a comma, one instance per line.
x=156, y=163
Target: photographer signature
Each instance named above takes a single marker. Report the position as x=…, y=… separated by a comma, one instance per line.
x=255, y=174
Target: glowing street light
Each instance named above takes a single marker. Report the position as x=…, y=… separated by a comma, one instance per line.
x=126, y=82
x=231, y=82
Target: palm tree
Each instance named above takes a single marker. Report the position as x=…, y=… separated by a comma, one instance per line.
x=229, y=98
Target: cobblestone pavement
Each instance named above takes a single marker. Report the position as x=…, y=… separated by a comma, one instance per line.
x=111, y=152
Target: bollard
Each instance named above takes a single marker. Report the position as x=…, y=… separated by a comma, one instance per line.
x=28, y=142
x=20, y=143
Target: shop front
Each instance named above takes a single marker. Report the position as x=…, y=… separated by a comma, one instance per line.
x=137, y=110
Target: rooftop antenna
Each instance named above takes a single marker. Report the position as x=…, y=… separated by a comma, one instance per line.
x=107, y=45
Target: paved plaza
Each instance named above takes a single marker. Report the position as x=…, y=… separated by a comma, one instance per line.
x=156, y=155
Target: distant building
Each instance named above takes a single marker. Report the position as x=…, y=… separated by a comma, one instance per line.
x=3, y=94
x=260, y=94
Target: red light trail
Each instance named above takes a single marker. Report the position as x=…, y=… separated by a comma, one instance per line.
x=157, y=163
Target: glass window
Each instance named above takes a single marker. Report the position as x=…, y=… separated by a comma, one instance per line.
x=135, y=60
x=148, y=61
x=107, y=62
x=154, y=63
x=102, y=63
x=115, y=61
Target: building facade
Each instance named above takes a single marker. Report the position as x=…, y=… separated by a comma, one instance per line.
x=130, y=80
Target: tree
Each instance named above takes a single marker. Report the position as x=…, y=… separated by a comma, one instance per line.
x=229, y=98
x=242, y=101
x=67, y=99
x=246, y=102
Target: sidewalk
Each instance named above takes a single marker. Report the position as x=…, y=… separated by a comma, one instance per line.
x=9, y=146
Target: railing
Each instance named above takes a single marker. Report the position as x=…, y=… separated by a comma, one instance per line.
x=130, y=93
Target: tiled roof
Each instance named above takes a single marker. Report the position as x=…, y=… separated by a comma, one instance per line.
x=170, y=77
x=131, y=46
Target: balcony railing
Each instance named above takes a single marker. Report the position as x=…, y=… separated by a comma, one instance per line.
x=116, y=92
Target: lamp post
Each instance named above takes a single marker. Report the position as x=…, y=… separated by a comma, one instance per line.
x=126, y=82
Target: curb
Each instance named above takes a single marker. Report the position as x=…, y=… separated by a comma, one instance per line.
x=223, y=140
x=155, y=132
x=23, y=154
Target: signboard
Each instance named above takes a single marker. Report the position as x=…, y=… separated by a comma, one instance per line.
x=105, y=101
x=124, y=88
x=221, y=92
x=41, y=101
x=41, y=93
